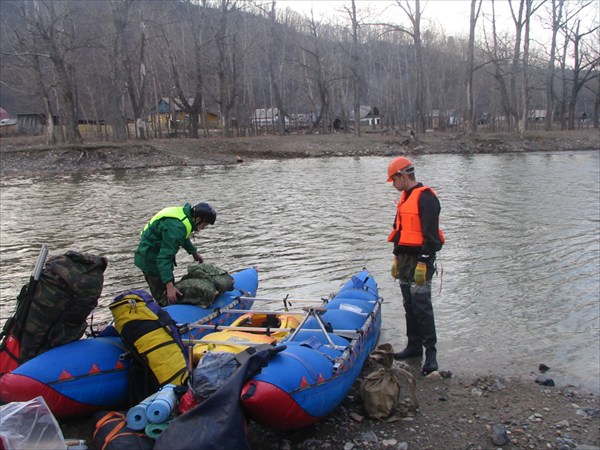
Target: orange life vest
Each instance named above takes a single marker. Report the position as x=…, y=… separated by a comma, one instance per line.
x=408, y=221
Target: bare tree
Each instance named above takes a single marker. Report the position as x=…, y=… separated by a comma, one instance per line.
x=597, y=105
x=120, y=12
x=186, y=67
x=274, y=38
x=498, y=52
x=556, y=11
x=52, y=27
x=137, y=80
x=21, y=62
x=97, y=59
x=355, y=66
x=519, y=23
x=226, y=64
x=530, y=9
x=314, y=65
x=585, y=66
x=414, y=16
x=471, y=124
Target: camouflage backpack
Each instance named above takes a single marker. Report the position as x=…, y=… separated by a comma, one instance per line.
x=67, y=292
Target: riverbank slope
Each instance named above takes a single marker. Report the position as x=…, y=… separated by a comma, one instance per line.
x=29, y=155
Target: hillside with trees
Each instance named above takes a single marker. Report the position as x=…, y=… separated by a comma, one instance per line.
x=108, y=67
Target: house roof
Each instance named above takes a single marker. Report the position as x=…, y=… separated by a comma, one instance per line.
x=164, y=107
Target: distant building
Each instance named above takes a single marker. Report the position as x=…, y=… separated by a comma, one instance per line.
x=444, y=119
x=537, y=115
x=267, y=116
x=33, y=123
x=171, y=116
x=369, y=115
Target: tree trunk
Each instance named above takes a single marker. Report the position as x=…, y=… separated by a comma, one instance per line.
x=471, y=125
x=557, y=8
x=525, y=85
x=355, y=70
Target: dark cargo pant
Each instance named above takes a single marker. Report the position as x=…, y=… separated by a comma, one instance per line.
x=157, y=288
x=420, y=322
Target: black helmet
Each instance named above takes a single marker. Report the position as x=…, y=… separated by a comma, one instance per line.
x=205, y=212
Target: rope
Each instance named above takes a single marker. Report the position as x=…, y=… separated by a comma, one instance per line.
x=441, y=275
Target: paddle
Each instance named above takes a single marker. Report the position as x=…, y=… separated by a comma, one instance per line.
x=10, y=348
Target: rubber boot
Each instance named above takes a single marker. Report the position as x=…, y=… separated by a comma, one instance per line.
x=411, y=351
x=431, y=364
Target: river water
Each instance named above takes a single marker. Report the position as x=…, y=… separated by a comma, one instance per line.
x=518, y=282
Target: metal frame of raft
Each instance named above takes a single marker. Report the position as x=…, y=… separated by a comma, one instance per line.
x=266, y=330
x=310, y=312
x=184, y=327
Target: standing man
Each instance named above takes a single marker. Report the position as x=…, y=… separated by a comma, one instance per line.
x=416, y=237
x=161, y=239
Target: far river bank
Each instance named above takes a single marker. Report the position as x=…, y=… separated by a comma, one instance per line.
x=31, y=156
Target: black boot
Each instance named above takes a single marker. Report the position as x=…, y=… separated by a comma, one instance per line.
x=411, y=351
x=430, y=361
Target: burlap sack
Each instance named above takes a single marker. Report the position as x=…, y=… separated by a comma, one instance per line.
x=382, y=355
x=380, y=391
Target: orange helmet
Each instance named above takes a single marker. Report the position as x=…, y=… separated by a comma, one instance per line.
x=400, y=164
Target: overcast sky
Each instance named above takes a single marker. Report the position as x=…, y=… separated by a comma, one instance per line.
x=451, y=15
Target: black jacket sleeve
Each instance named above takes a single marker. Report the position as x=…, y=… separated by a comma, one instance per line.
x=429, y=211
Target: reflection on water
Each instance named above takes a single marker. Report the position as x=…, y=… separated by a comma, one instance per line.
x=518, y=278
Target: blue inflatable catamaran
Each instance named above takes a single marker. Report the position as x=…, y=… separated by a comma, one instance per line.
x=319, y=353
x=321, y=360
x=89, y=375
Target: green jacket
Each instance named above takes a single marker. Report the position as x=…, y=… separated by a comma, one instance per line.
x=161, y=239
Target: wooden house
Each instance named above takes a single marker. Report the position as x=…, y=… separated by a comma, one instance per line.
x=169, y=116
x=33, y=123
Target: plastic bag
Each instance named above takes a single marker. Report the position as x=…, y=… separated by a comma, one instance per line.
x=30, y=425
x=212, y=372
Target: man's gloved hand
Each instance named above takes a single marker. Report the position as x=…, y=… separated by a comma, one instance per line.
x=421, y=273
x=172, y=293
x=197, y=257
x=395, y=272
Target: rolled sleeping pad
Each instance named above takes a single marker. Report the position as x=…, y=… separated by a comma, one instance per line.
x=137, y=417
x=162, y=405
x=153, y=430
